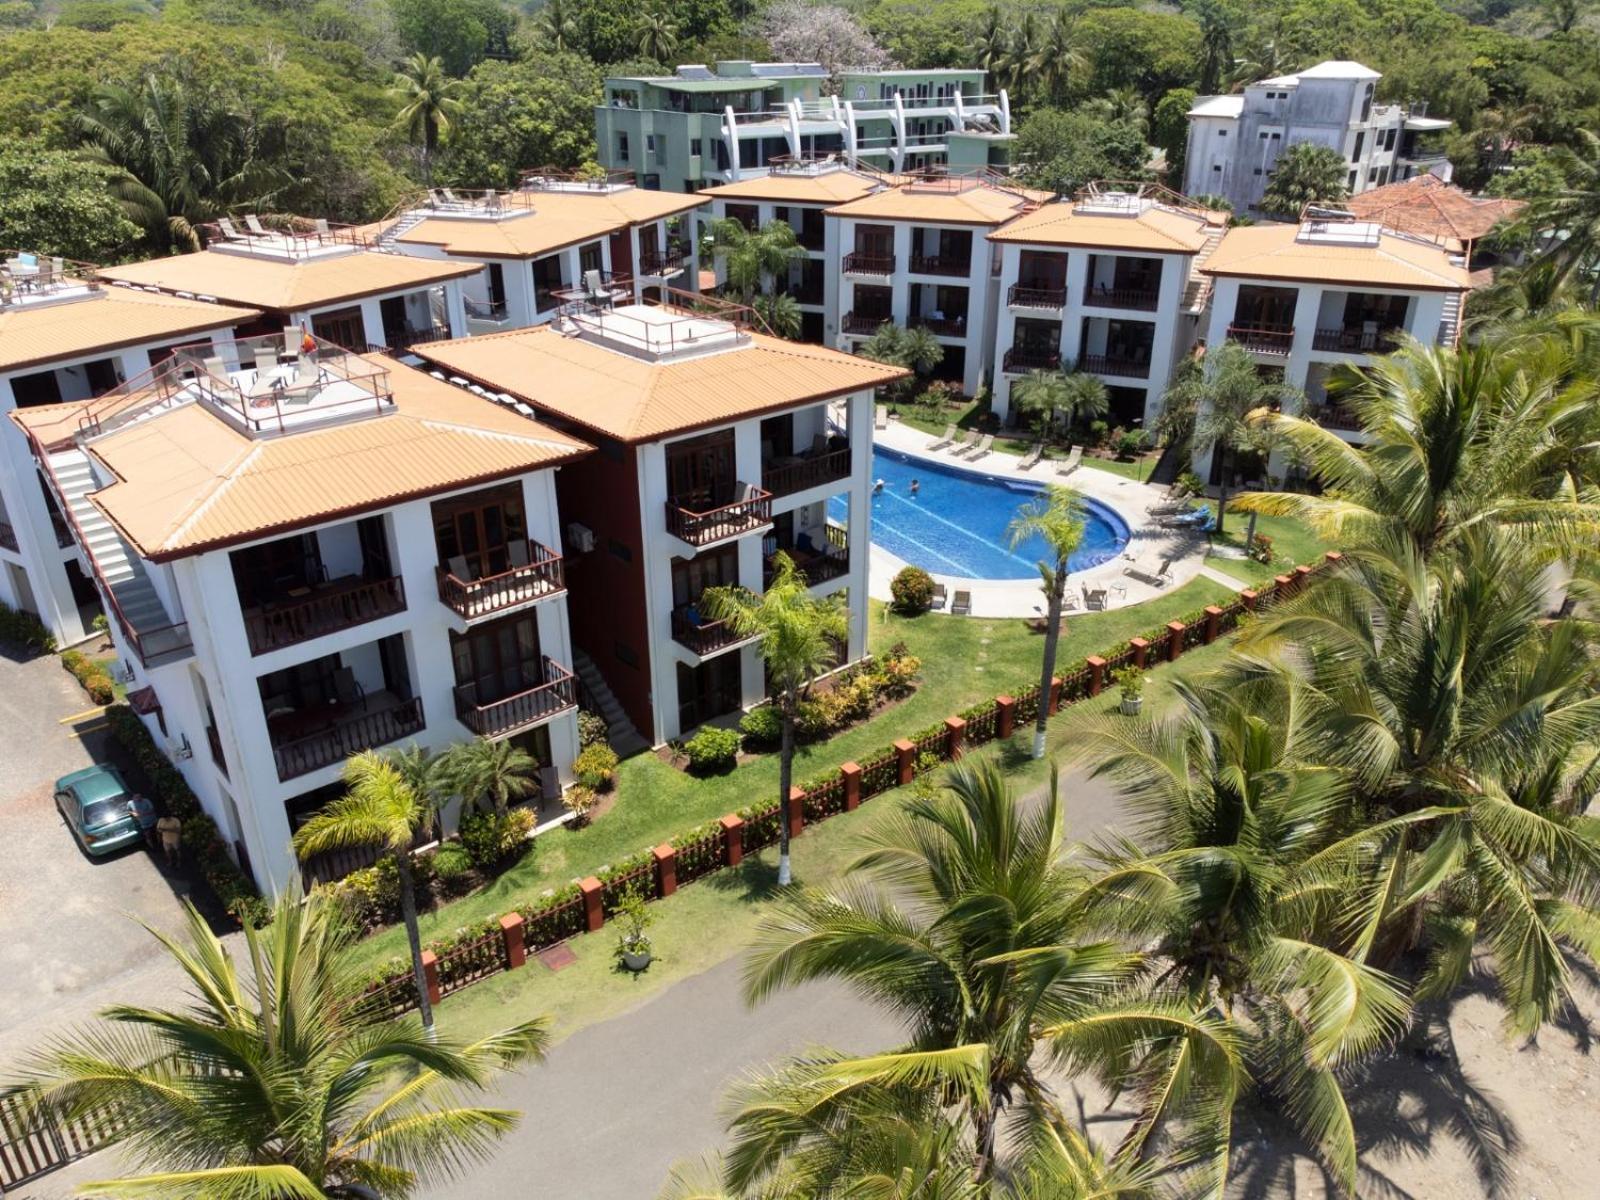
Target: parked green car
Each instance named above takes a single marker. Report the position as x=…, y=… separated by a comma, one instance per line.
x=103, y=814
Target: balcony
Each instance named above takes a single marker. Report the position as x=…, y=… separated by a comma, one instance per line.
x=1335, y=417
x=539, y=576
x=1027, y=295
x=1020, y=359
x=399, y=340
x=8, y=538
x=700, y=636
x=319, y=611
x=942, y=326
x=786, y=475
x=552, y=693
x=702, y=527
x=343, y=730
x=1106, y=364
x=818, y=566
x=659, y=263
x=941, y=264
x=868, y=323
x=1354, y=339
x=859, y=263
x=1142, y=299
x=1275, y=339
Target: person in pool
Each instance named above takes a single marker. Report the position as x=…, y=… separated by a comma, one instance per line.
x=916, y=486
x=877, y=486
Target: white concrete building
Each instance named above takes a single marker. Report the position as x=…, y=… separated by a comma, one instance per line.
x=1306, y=298
x=1234, y=141
x=537, y=249
x=716, y=448
x=64, y=336
x=362, y=557
x=1107, y=284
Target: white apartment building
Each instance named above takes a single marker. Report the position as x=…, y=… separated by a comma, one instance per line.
x=330, y=281
x=1105, y=283
x=65, y=336
x=361, y=557
x=918, y=253
x=1234, y=141
x=557, y=240
x=717, y=448
x=1305, y=298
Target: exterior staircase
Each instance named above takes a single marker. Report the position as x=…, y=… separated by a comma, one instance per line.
x=406, y=223
x=624, y=738
x=1198, y=290
x=1450, y=319
x=143, y=615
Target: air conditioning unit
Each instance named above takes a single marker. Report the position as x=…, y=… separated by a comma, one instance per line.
x=580, y=538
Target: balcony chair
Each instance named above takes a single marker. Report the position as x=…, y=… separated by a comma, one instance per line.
x=459, y=567
x=293, y=339
x=517, y=553
x=320, y=227
x=940, y=597
x=962, y=605
x=1070, y=463
x=347, y=691
x=254, y=225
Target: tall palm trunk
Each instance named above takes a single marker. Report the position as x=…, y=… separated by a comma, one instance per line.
x=785, y=778
x=408, y=912
x=1222, y=488
x=1052, y=637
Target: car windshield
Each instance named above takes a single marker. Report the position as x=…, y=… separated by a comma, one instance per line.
x=106, y=812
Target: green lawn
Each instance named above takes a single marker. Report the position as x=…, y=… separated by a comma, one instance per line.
x=1292, y=545
x=964, y=660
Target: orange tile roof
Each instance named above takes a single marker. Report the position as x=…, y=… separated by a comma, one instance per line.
x=944, y=202
x=1277, y=252
x=113, y=319
x=1428, y=206
x=558, y=220
x=187, y=481
x=801, y=187
x=289, y=285
x=640, y=400
x=1159, y=230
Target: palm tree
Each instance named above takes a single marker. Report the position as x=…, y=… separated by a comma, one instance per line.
x=1122, y=104
x=555, y=24
x=992, y=40
x=752, y=259
x=799, y=635
x=1573, y=214
x=180, y=154
x=971, y=933
x=1216, y=43
x=1222, y=395
x=781, y=314
x=1056, y=516
x=377, y=809
x=1021, y=54
x=1499, y=131
x=922, y=349
x=1041, y=394
x=1057, y=62
x=429, y=102
x=276, y=1082
x=658, y=36
x=1305, y=174
x=498, y=772
x=916, y=349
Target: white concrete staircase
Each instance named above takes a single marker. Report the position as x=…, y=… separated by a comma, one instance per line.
x=1198, y=290
x=406, y=223
x=1450, y=319
x=118, y=568
x=622, y=735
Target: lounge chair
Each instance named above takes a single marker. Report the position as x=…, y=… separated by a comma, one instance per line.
x=1166, y=508
x=939, y=443
x=880, y=416
x=940, y=596
x=229, y=230
x=961, y=606
x=347, y=690
x=1160, y=577
x=1031, y=458
x=984, y=447
x=254, y=225
x=964, y=443
x=1188, y=520
x=320, y=227
x=1094, y=600
x=1070, y=463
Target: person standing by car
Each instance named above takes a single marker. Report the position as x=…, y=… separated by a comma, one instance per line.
x=170, y=830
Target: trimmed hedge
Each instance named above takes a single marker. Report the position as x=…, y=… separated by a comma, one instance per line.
x=91, y=676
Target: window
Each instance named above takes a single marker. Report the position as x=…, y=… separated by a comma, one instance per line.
x=1388, y=139
x=1222, y=133
x=694, y=147
x=1276, y=136
x=1350, y=184
x=622, y=147
x=1258, y=170
x=1372, y=175
x=649, y=143
x=1366, y=105
x=1216, y=166
x=1361, y=141
x=1263, y=135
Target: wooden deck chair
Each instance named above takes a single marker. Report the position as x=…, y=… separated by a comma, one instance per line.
x=962, y=605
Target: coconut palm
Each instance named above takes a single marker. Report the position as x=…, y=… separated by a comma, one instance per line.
x=752, y=259
x=181, y=155
x=915, y=349
x=800, y=634
x=992, y=40
x=1217, y=22
x=1057, y=62
x=658, y=36
x=498, y=773
x=1305, y=174
x=429, y=101
x=1056, y=516
x=1122, y=104
x=781, y=314
x=1021, y=54
x=378, y=810
x=555, y=24
x=969, y=931
x=1040, y=395
x=1573, y=215
x=275, y=1082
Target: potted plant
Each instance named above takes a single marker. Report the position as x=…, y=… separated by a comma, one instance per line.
x=1131, y=681
x=633, y=944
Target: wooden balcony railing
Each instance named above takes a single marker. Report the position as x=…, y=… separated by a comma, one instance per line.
x=701, y=636
x=8, y=537
x=1027, y=358
x=859, y=263
x=663, y=262
x=941, y=264
x=1354, y=339
x=347, y=736
x=701, y=527
x=1027, y=295
x=869, y=323
x=787, y=476
x=1333, y=416
x=404, y=339
x=1104, y=364
x=943, y=326
x=555, y=691
x=816, y=567
x=1275, y=339
x=541, y=576
x=326, y=610
x=1115, y=297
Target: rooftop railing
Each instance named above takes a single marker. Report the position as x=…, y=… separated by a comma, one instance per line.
x=27, y=278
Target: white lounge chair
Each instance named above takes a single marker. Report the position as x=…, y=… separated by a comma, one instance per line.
x=964, y=443
x=984, y=447
x=1070, y=463
x=940, y=443
x=229, y=230
x=254, y=225
x=1160, y=577
x=880, y=416
x=1031, y=458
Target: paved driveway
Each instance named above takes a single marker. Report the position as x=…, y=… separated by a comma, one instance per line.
x=67, y=946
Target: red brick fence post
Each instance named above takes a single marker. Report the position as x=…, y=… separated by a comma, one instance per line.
x=594, y=915
x=955, y=737
x=1097, y=673
x=1213, y=617
x=1005, y=716
x=516, y=944
x=797, y=811
x=1055, y=695
x=666, y=869
x=733, y=832
x=850, y=773
x=1248, y=598
x=430, y=976
x=1140, y=647
x=1175, y=631
x=905, y=755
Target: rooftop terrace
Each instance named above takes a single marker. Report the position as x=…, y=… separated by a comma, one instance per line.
x=32, y=281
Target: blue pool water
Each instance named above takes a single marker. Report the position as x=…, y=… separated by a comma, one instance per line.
x=956, y=523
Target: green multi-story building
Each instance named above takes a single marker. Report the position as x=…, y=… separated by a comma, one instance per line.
x=705, y=126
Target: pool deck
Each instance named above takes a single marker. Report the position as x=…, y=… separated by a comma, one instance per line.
x=1022, y=597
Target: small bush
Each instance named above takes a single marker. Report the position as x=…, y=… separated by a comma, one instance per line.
x=492, y=841
x=23, y=629
x=1191, y=483
x=91, y=676
x=712, y=750
x=912, y=590
x=580, y=801
x=592, y=730
x=596, y=767
x=1098, y=432
x=1132, y=443
x=452, y=863
x=812, y=719
x=762, y=727
x=98, y=685
x=897, y=677
x=1261, y=549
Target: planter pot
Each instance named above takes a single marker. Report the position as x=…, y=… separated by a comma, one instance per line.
x=1131, y=705
x=636, y=960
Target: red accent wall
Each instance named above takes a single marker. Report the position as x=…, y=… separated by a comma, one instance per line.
x=606, y=592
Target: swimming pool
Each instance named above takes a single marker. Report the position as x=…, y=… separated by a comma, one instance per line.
x=956, y=523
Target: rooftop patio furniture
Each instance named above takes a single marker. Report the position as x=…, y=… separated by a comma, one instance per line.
x=320, y=226
x=459, y=568
x=962, y=605
x=939, y=443
x=229, y=230
x=1070, y=463
x=1094, y=599
x=254, y=225
x=1160, y=577
x=940, y=596
x=1032, y=457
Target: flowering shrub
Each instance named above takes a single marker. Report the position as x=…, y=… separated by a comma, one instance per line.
x=912, y=590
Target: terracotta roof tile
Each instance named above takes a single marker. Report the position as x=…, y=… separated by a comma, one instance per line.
x=557, y=220
x=1278, y=252
x=108, y=320
x=1428, y=206
x=1159, y=230
x=800, y=187
x=954, y=201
